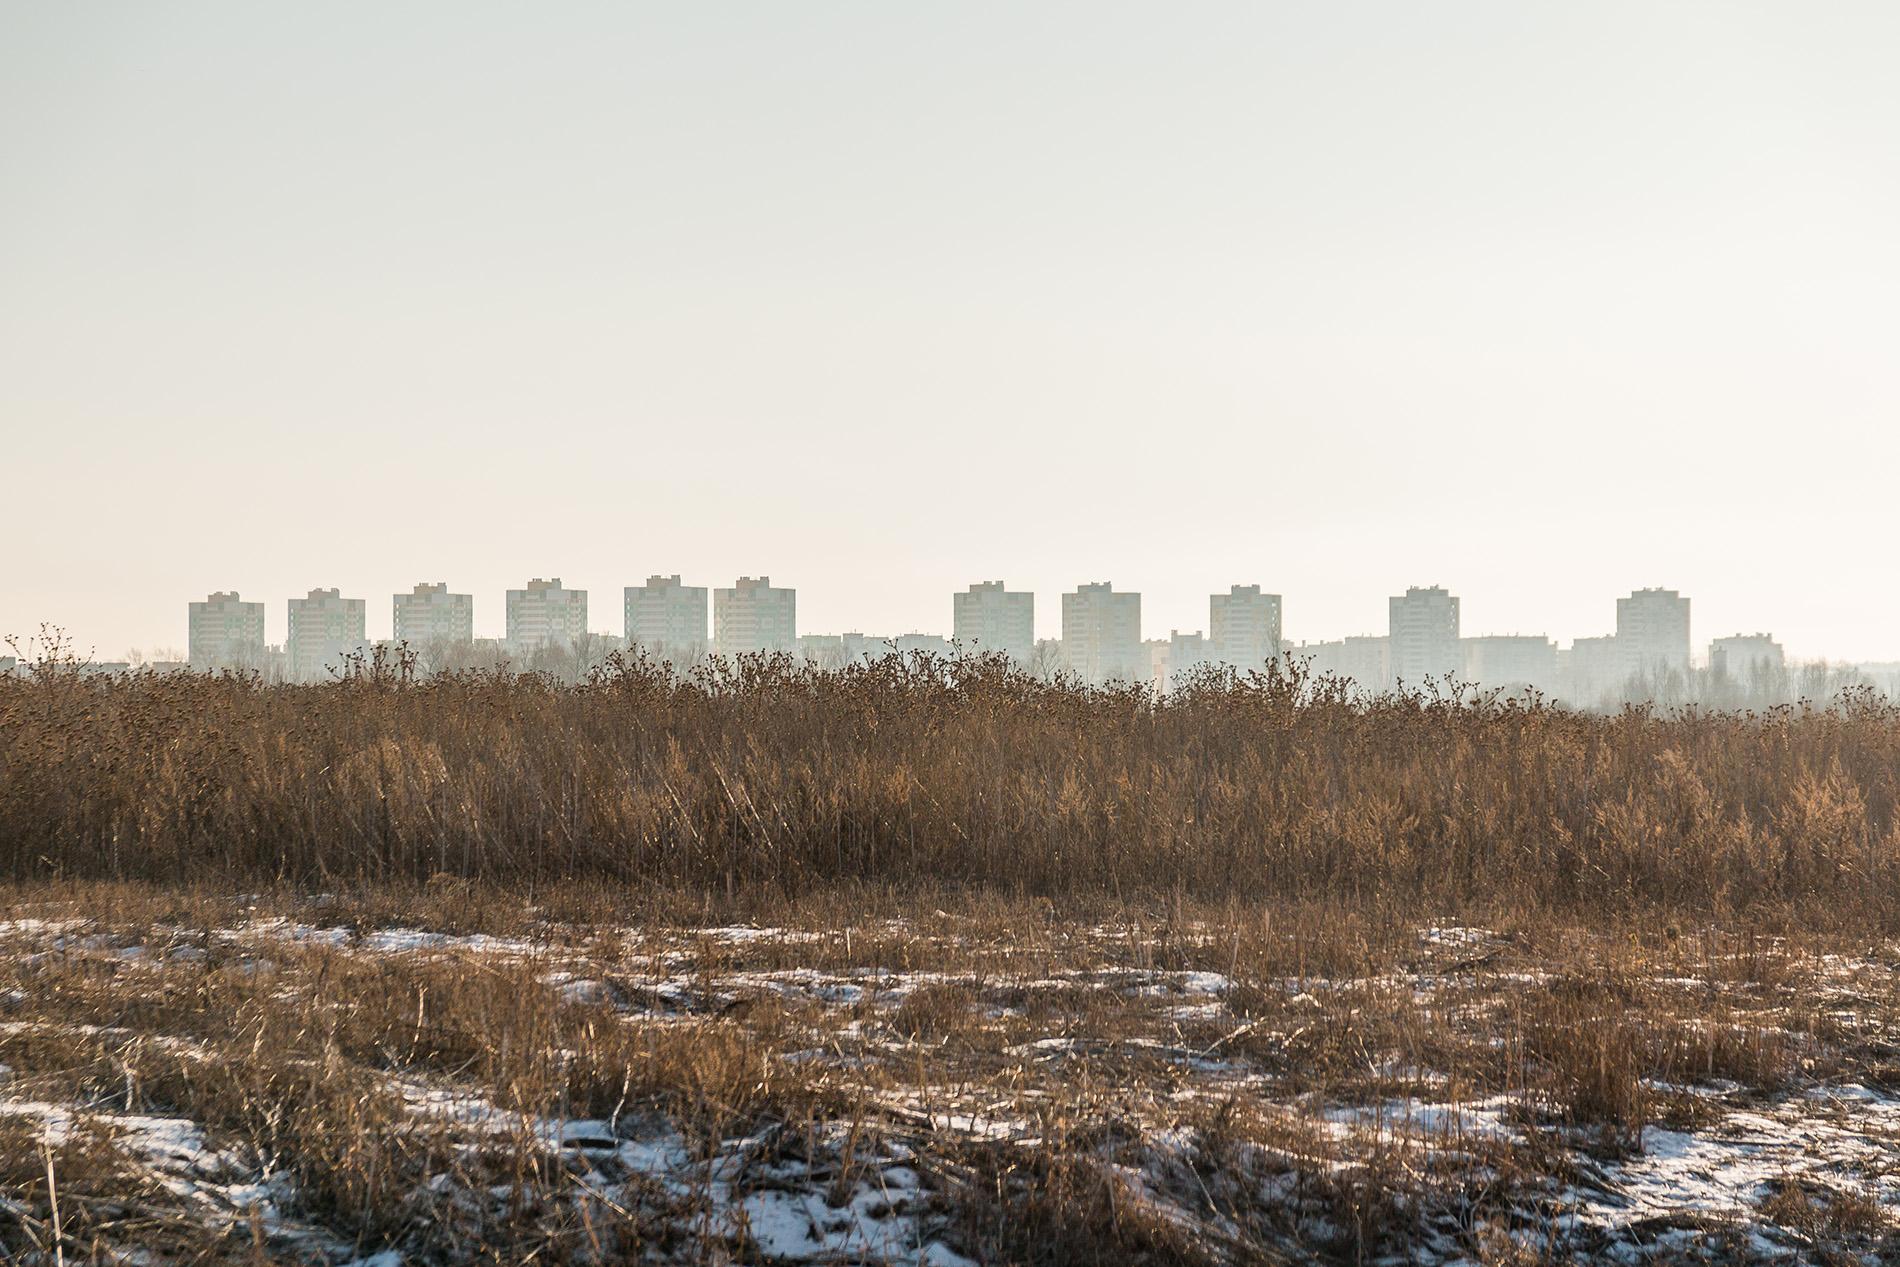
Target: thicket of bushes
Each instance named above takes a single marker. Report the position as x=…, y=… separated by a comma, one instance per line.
x=766, y=774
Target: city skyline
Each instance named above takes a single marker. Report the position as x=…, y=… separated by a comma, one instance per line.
x=879, y=299
x=1650, y=656
x=545, y=611
x=1103, y=636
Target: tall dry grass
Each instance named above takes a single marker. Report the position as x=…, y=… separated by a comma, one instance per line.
x=772, y=777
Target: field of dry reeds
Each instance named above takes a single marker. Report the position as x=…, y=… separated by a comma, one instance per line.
x=938, y=963
x=770, y=778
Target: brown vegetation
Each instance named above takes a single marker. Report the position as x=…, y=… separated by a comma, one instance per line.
x=1171, y=1083
x=1253, y=973
x=769, y=778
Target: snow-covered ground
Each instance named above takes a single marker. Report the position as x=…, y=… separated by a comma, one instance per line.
x=1425, y=1110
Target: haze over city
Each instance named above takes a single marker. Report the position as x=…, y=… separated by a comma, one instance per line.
x=1540, y=304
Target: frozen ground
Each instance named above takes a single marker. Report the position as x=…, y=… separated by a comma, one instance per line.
x=943, y=1091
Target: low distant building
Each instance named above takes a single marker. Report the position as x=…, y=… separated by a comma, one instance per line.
x=824, y=650
x=1156, y=652
x=1882, y=675
x=1187, y=653
x=1365, y=660
x=864, y=647
x=928, y=644
x=831, y=651
x=225, y=632
x=1592, y=672
x=1744, y=657
x=1510, y=662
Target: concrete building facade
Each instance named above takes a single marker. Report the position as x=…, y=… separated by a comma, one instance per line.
x=1365, y=660
x=225, y=632
x=987, y=617
x=1243, y=627
x=544, y=615
x=1743, y=657
x=824, y=650
x=1652, y=634
x=755, y=615
x=1510, y=662
x=1101, y=635
x=926, y=643
x=430, y=616
x=1187, y=653
x=666, y=619
x=1424, y=633
x=324, y=627
x=1590, y=672
x=856, y=646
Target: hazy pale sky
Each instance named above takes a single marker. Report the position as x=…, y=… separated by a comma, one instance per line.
x=1539, y=302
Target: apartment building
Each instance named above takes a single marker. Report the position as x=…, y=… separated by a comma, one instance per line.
x=1365, y=660
x=1746, y=657
x=430, y=616
x=1243, y=627
x=546, y=614
x=325, y=628
x=1154, y=654
x=1101, y=634
x=926, y=643
x=824, y=650
x=666, y=619
x=1652, y=635
x=225, y=632
x=1424, y=632
x=1511, y=662
x=755, y=615
x=1186, y=654
x=834, y=651
x=1590, y=672
x=987, y=617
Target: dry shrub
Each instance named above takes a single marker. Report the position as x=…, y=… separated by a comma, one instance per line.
x=1828, y=1213
x=94, y=1194
x=1714, y=1046
x=1596, y=1072
x=935, y=1011
x=1587, y=1059
x=1063, y=1206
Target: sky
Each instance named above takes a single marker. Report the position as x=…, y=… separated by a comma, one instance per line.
x=1542, y=303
